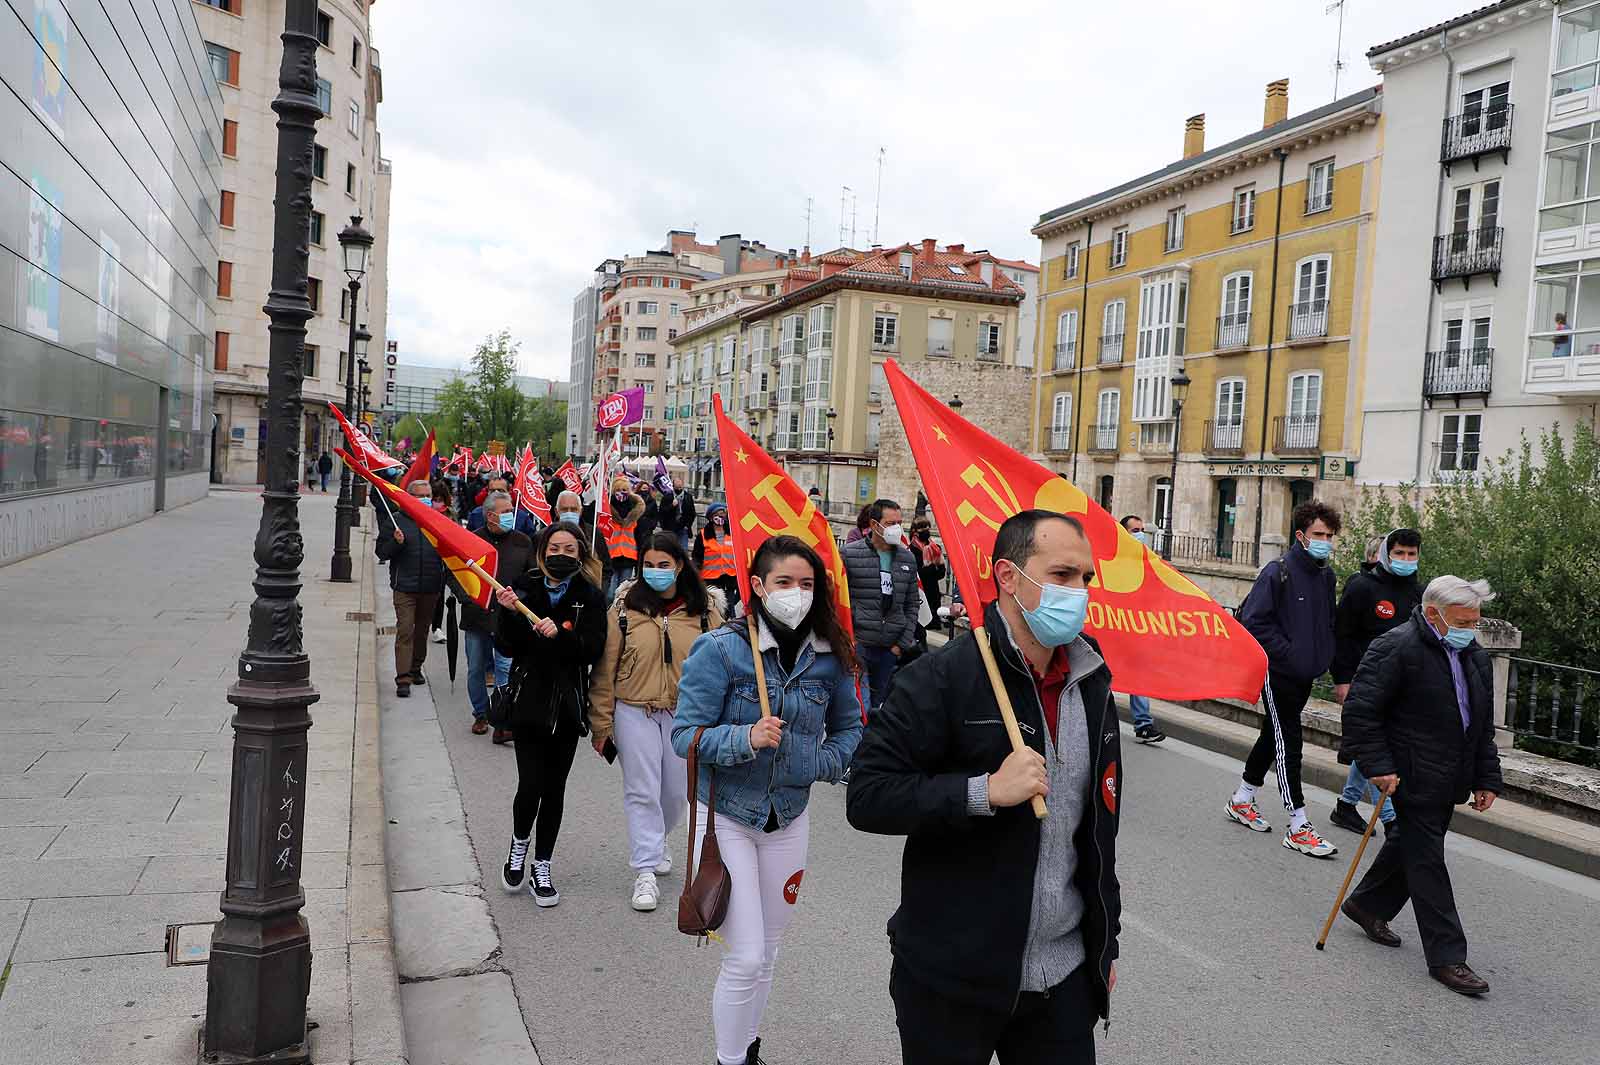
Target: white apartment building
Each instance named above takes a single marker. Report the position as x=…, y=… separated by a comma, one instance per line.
x=1485, y=316
x=350, y=177
x=1026, y=276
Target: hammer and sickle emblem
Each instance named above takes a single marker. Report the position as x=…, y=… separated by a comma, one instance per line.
x=793, y=524
x=967, y=512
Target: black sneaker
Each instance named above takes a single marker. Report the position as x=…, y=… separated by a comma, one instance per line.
x=417, y=677
x=1390, y=828
x=515, y=872
x=540, y=886
x=1148, y=734
x=752, y=1056
x=403, y=690
x=1347, y=817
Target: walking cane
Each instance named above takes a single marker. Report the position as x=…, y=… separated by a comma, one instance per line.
x=1377, y=808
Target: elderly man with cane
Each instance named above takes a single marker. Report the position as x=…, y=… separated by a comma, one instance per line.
x=1419, y=720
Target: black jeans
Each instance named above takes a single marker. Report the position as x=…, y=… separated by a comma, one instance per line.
x=1283, y=698
x=1411, y=866
x=1054, y=1027
x=543, y=763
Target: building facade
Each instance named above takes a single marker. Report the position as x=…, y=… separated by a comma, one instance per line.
x=1241, y=266
x=109, y=204
x=241, y=42
x=1482, y=319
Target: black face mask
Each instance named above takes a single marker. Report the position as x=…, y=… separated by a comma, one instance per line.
x=560, y=567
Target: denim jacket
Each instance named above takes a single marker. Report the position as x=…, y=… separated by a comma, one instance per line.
x=821, y=723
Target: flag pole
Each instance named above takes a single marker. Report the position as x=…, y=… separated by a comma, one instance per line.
x=761, y=669
x=522, y=608
x=1007, y=713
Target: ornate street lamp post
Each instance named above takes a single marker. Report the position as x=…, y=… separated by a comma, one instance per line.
x=1180, y=388
x=259, y=972
x=827, y=473
x=356, y=244
x=364, y=373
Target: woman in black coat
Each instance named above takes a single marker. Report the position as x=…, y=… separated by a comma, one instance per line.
x=551, y=660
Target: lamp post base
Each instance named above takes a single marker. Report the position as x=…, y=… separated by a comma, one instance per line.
x=256, y=989
x=340, y=570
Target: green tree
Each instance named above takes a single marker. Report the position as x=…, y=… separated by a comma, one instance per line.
x=410, y=426
x=1526, y=525
x=485, y=404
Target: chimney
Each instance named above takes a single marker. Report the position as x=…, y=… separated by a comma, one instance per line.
x=955, y=249
x=928, y=246
x=1277, y=108
x=805, y=255
x=1194, y=136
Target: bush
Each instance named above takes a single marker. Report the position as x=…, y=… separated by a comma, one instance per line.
x=1528, y=526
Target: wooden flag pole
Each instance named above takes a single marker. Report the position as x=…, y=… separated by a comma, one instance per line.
x=1007, y=713
x=1377, y=808
x=522, y=608
x=761, y=668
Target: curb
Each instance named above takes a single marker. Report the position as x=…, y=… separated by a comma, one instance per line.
x=1534, y=833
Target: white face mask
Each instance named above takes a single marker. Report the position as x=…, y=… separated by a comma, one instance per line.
x=788, y=606
x=893, y=534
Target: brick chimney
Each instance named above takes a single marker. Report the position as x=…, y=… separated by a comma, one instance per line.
x=955, y=249
x=928, y=247
x=1194, y=136
x=1277, y=108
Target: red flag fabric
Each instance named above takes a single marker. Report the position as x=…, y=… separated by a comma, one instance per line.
x=569, y=477
x=764, y=501
x=461, y=462
x=1160, y=634
x=456, y=546
x=371, y=455
x=527, y=489
x=421, y=468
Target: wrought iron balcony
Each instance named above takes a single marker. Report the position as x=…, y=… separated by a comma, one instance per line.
x=1456, y=459
x=1467, y=254
x=1458, y=372
x=1198, y=547
x=1308, y=320
x=1104, y=440
x=1233, y=330
x=1297, y=434
x=1066, y=356
x=1224, y=438
x=1474, y=134
x=1060, y=439
x=1111, y=349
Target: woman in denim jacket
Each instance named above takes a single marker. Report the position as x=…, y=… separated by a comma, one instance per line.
x=765, y=767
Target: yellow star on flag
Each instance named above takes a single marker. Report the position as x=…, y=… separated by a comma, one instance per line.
x=940, y=434
x=742, y=455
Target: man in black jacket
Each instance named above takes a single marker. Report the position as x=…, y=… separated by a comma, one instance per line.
x=883, y=576
x=1005, y=940
x=512, y=551
x=1420, y=721
x=417, y=576
x=1290, y=613
x=1379, y=598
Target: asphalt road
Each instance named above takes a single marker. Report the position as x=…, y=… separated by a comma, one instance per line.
x=1217, y=961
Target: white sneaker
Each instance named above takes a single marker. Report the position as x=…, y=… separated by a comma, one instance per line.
x=437, y=637
x=1308, y=840
x=664, y=866
x=1247, y=814
x=645, y=892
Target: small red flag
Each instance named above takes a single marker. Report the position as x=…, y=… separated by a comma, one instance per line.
x=422, y=466
x=456, y=546
x=526, y=488
x=569, y=477
x=1161, y=635
x=362, y=445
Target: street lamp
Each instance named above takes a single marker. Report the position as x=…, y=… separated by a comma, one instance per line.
x=827, y=473
x=955, y=403
x=258, y=975
x=1180, y=388
x=363, y=375
x=356, y=243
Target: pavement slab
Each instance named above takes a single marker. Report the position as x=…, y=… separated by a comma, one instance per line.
x=469, y=1020
x=22, y=878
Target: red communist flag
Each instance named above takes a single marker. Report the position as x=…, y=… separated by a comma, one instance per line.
x=456, y=546
x=421, y=468
x=1160, y=634
x=764, y=501
x=371, y=456
x=570, y=477
x=527, y=489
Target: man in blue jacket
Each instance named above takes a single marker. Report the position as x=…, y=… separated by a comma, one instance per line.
x=1290, y=612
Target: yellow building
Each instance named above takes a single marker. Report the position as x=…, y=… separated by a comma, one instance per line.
x=802, y=370
x=1243, y=268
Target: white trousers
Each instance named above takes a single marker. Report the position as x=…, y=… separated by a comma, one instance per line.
x=655, y=782
x=766, y=868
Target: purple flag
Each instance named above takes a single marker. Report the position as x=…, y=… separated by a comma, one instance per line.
x=663, y=478
x=621, y=408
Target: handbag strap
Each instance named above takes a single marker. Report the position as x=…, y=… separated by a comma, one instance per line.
x=711, y=807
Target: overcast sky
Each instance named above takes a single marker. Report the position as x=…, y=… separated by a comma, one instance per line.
x=532, y=140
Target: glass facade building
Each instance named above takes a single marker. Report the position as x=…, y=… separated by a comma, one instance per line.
x=110, y=130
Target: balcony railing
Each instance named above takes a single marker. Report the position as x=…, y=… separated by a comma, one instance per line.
x=1224, y=438
x=1553, y=704
x=1457, y=372
x=1066, y=356
x=1473, y=134
x=1060, y=439
x=1466, y=254
x=1155, y=439
x=1105, y=438
x=1111, y=349
x=1456, y=459
x=1297, y=434
x=986, y=353
x=1198, y=547
x=1233, y=330
x=1308, y=320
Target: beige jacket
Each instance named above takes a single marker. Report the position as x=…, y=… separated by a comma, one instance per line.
x=639, y=675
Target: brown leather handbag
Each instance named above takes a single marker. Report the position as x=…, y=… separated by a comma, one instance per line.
x=704, y=902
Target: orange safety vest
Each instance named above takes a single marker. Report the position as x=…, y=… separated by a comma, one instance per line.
x=622, y=544
x=719, y=559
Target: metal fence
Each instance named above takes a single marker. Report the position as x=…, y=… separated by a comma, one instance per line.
x=1558, y=705
x=1195, y=547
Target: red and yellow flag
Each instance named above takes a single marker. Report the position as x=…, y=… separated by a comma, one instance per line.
x=456, y=546
x=372, y=457
x=1160, y=634
x=422, y=465
x=764, y=501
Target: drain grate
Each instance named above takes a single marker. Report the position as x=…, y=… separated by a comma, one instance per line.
x=358, y=615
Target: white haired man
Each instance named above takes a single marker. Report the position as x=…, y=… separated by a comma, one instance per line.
x=1419, y=720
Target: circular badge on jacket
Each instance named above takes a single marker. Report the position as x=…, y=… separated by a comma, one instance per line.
x=1384, y=609
x=791, y=888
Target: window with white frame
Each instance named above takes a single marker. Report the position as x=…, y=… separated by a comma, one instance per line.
x=1474, y=215
x=1244, y=209
x=729, y=346
x=645, y=332
x=791, y=380
x=1113, y=325
x=794, y=334
x=1459, y=442
x=941, y=337
x=1161, y=502
x=1233, y=325
x=819, y=376
x=1466, y=340
x=1069, y=262
x=1119, y=246
x=649, y=306
x=1319, y=186
x=1163, y=314
x=877, y=384
x=1066, y=341
x=708, y=354
x=874, y=431
x=1061, y=422
x=674, y=310
x=760, y=346
x=1302, y=425
x=644, y=358
x=1484, y=108
x=1175, y=228
x=1108, y=412
x=988, y=340
x=815, y=428
x=355, y=119
x=648, y=386
x=1308, y=315
x=885, y=331
x=819, y=334
x=1577, y=49
x=1228, y=427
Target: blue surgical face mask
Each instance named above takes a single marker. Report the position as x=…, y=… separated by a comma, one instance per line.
x=1319, y=549
x=1459, y=638
x=1058, y=619
x=1402, y=567
x=660, y=578
x=571, y=517
x=506, y=520
x=1142, y=536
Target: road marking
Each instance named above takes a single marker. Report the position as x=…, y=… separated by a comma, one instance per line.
x=1189, y=954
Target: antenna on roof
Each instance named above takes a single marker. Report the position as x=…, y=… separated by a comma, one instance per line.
x=1338, y=47
x=844, y=197
x=852, y=219
x=808, y=222
x=877, y=200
